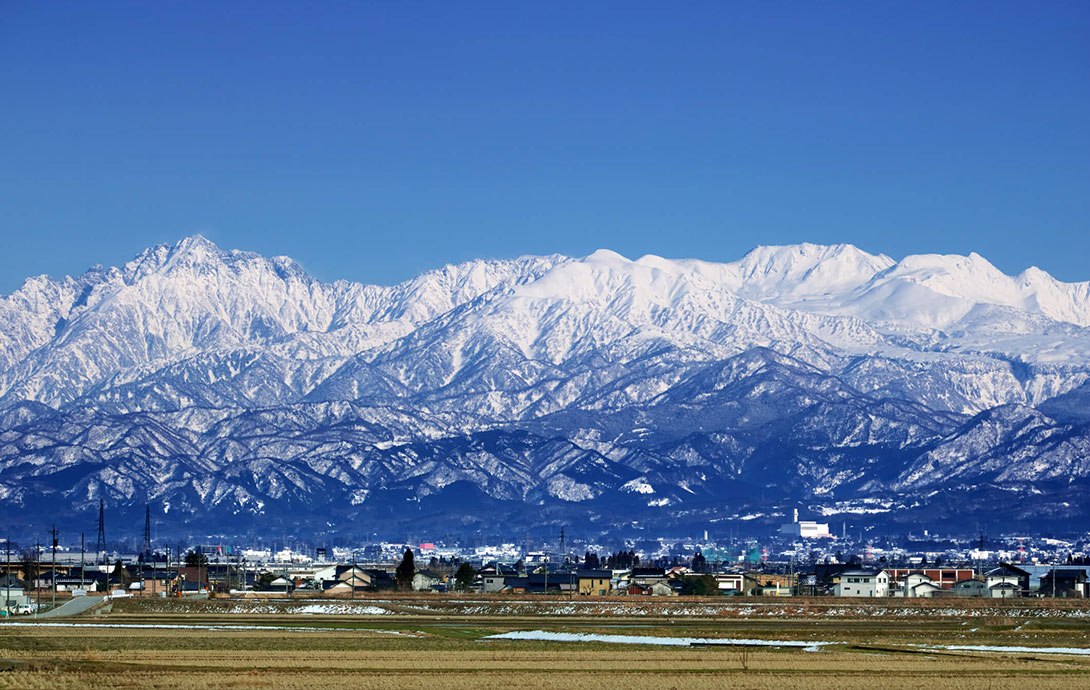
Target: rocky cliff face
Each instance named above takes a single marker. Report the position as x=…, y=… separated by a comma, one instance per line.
x=237, y=392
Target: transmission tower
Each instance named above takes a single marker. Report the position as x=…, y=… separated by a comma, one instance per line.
x=100, y=549
x=145, y=550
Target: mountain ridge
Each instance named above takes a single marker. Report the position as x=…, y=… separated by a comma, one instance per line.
x=201, y=378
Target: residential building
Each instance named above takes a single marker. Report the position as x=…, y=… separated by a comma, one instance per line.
x=515, y=585
x=647, y=576
x=542, y=583
x=914, y=586
x=1007, y=573
x=730, y=582
x=862, y=583
x=662, y=589
x=344, y=579
x=944, y=578
x=425, y=580
x=493, y=579
x=595, y=583
x=1004, y=590
x=971, y=588
x=1064, y=582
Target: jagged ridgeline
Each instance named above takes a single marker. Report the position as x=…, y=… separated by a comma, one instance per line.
x=237, y=394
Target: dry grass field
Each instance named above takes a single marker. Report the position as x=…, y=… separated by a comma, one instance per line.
x=232, y=644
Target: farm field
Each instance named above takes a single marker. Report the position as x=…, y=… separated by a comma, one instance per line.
x=399, y=642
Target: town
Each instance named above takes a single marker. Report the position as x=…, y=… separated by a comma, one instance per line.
x=804, y=559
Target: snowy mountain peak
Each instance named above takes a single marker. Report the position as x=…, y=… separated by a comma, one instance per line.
x=232, y=383
x=805, y=271
x=795, y=259
x=61, y=338
x=196, y=243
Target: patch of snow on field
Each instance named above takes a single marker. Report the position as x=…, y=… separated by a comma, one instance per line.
x=1080, y=651
x=331, y=608
x=342, y=609
x=545, y=636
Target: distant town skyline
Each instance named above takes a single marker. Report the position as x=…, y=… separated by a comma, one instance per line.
x=372, y=142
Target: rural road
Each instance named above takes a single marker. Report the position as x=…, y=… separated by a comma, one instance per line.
x=70, y=608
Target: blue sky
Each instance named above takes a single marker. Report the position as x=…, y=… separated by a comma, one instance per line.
x=371, y=141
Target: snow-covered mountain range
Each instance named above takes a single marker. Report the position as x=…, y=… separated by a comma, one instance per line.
x=236, y=391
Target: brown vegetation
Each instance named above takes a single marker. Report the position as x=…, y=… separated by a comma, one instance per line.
x=447, y=649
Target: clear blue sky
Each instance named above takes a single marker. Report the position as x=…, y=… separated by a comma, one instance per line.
x=371, y=141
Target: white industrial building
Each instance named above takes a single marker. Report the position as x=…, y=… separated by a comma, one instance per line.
x=807, y=529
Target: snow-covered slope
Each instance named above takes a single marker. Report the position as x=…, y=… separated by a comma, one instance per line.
x=927, y=290
x=205, y=379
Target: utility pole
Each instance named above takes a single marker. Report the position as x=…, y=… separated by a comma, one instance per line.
x=53, y=566
x=37, y=576
x=82, y=560
x=7, y=577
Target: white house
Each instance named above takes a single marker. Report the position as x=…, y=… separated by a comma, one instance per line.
x=424, y=580
x=662, y=589
x=1004, y=590
x=862, y=583
x=924, y=590
x=343, y=579
x=916, y=585
x=730, y=581
x=492, y=582
x=1004, y=582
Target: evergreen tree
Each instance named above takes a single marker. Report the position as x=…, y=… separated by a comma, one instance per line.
x=463, y=578
x=264, y=581
x=193, y=559
x=405, y=571
x=702, y=586
x=29, y=566
x=700, y=564
x=122, y=574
